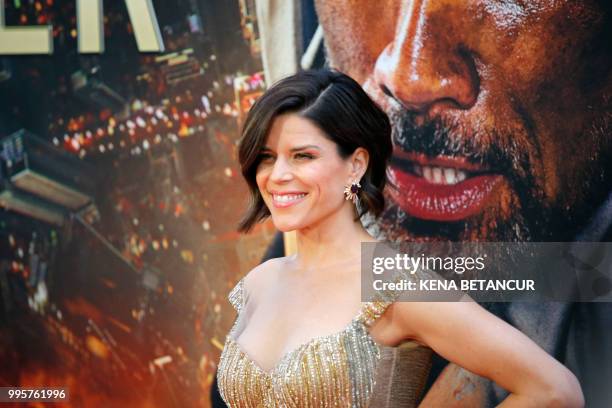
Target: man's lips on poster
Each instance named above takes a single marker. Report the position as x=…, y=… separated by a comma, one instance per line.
x=442, y=188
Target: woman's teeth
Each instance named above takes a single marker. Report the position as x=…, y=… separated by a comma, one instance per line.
x=440, y=175
x=285, y=198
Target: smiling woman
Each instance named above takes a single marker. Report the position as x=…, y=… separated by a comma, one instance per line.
x=303, y=338
x=299, y=135
x=298, y=177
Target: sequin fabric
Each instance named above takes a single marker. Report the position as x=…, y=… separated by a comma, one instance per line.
x=336, y=370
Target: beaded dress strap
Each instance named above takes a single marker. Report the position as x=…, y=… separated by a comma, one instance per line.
x=236, y=296
x=371, y=311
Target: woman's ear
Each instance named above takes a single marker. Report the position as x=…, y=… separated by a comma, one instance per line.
x=359, y=162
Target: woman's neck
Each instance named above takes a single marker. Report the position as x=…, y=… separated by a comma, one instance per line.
x=333, y=241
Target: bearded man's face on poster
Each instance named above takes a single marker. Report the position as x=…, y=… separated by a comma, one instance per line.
x=500, y=111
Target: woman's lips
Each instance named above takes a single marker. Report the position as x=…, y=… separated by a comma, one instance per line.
x=284, y=200
x=433, y=192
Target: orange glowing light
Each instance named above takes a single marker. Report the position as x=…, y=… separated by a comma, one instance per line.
x=187, y=256
x=97, y=347
x=184, y=130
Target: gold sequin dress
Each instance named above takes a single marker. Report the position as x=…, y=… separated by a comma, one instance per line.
x=344, y=369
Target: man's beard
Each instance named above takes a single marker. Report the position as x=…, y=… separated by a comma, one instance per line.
x=525, y=218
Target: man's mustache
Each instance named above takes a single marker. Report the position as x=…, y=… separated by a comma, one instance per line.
x=495, y=152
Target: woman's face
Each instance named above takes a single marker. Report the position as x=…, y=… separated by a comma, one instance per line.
x=301, y=177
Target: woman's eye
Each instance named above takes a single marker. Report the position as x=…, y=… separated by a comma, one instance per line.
x=303, y=156
x=265, y=157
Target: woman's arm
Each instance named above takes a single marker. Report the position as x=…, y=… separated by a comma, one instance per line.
x=471, y=337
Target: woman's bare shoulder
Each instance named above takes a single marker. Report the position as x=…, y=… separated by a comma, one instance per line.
x=265, y=273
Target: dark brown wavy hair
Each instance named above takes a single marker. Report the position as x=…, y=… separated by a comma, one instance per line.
x=339, y=106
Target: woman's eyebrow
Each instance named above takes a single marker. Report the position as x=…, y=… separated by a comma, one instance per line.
x=304, y=148
x=293, y=149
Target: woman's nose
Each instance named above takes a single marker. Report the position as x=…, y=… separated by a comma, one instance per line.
x=281, y=170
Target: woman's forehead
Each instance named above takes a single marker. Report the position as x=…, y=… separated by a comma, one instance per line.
x=290, y=130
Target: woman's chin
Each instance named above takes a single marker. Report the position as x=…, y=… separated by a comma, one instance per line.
x=286, y=225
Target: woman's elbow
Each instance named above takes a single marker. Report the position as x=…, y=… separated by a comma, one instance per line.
x=565, y=392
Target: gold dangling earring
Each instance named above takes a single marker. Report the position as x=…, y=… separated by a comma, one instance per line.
x=352, y=190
